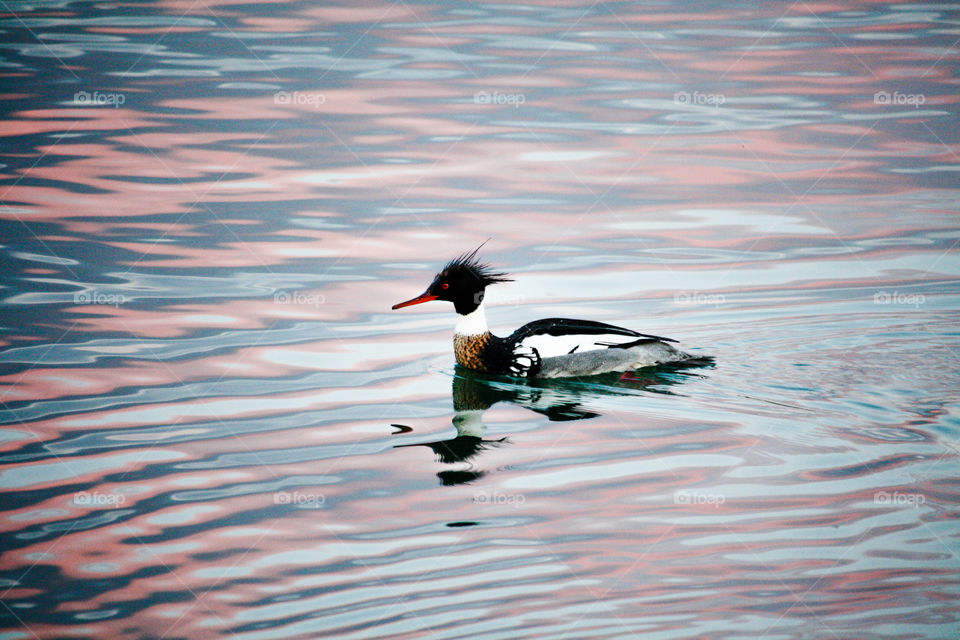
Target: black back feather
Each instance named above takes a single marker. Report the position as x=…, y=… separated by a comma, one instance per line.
x=565, y=326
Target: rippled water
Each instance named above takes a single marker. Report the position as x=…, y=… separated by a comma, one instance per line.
x=213, y=426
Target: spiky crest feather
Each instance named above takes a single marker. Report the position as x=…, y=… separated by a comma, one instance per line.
x=469, y=263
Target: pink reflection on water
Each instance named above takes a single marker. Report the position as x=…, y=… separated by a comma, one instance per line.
x=678, y=514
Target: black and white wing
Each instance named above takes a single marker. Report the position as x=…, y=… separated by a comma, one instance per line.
x=553, y=337
x=524, y=361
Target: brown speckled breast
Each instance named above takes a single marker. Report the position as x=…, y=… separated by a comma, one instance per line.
x=469, y=350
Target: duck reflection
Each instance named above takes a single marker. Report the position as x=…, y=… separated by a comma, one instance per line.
x=557, y=399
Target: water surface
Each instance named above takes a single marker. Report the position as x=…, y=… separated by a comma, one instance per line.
x=214, y=426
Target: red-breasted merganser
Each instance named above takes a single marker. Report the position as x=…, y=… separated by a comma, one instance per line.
x=549, y=348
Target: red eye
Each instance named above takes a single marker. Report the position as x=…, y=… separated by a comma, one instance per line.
x=446, y=285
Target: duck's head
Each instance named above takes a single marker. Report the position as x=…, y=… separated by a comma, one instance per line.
x=462, y=281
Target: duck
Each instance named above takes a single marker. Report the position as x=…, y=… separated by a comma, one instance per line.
x=546, y=348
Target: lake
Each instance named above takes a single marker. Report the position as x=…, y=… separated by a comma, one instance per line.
x=213, y=425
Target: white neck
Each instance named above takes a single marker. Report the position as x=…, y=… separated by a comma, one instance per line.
x=472, y=324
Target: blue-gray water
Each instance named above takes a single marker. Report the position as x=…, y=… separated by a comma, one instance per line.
x=213, y=426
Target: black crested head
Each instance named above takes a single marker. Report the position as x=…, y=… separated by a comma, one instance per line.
x=462, y=281
x=467, y=267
